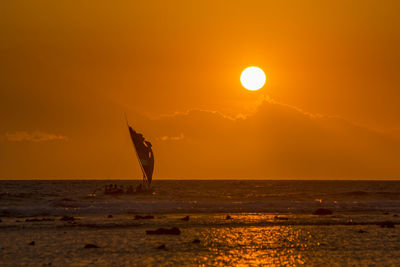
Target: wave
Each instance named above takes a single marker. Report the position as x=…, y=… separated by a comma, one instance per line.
x=8, y=195
x=371, y=195
x=356, y=193
x=127, y=207
x=238, y=220
x=381, y=223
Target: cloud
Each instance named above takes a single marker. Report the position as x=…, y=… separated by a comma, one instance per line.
x=172, y=138
x=35, y=136
x=276, y=141
x=194, y=110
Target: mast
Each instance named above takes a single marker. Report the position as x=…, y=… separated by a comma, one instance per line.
x=137, y=156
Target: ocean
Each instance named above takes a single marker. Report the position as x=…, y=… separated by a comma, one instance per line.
x=234, y=223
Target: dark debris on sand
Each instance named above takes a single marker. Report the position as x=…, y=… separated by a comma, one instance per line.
x=67, y=218
x=163, y=231
x=5, y=213
x=32, y=243
x=109, y=216
x=281, y=218
x=39, y=220
x=146, y=217
x=228, y=217
x=387, y=224
x=322, y=212
x=362, y=231
x=91, y=246
x=186, y=218
x=161, y=246
x=196, y=241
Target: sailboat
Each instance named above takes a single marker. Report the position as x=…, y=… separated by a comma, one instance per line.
x=145, y=155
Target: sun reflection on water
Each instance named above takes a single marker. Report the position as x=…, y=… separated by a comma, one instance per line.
x=244, y=246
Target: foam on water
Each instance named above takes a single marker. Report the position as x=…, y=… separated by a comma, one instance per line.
x=19, y=198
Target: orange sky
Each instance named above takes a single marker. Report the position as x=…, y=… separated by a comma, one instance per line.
x=69, y=70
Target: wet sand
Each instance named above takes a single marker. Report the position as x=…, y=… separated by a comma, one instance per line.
x=246, y=239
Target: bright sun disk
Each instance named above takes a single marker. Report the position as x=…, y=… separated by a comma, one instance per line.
x=252, y=78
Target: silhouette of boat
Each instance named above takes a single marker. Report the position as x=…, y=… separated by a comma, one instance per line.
x=145, y=156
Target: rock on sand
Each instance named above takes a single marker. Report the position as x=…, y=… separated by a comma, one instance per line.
x=387, y=224
x=163, y=231
x=91, y=246
x=146, y=217
x=322, y=212
x=186, y=218
x=161, y=246
x=67, y=218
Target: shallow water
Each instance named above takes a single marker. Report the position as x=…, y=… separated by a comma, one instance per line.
x=271, y=223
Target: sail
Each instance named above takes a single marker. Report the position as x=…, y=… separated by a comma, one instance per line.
x=144, y=153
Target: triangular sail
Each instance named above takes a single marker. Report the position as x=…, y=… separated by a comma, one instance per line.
x=144, y=153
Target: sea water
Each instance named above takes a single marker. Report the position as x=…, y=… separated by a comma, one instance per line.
x=237, y=222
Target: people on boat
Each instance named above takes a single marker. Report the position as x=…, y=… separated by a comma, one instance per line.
x=120, y=189
x=114, y=189
x=139, y=188
x=108, y=189
x=129, y=190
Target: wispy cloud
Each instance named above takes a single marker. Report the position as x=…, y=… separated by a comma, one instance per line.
x=35, y=136
x=197, y=110
x=172, y=138
x=240, y=116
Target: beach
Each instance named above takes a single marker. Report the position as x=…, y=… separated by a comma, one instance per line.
x=262, y=223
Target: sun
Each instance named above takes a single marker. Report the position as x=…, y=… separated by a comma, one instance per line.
x=252, y=78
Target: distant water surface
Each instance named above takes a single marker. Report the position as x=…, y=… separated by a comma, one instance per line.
x=194, y=196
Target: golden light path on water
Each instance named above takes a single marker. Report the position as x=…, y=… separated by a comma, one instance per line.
x=256, y=245
x=274, y=246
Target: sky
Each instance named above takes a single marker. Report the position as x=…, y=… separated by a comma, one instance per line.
x=69, y=70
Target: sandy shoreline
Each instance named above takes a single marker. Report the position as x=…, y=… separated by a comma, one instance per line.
x=248, y=239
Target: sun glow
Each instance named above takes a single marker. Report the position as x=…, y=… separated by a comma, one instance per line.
x=252, y=78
